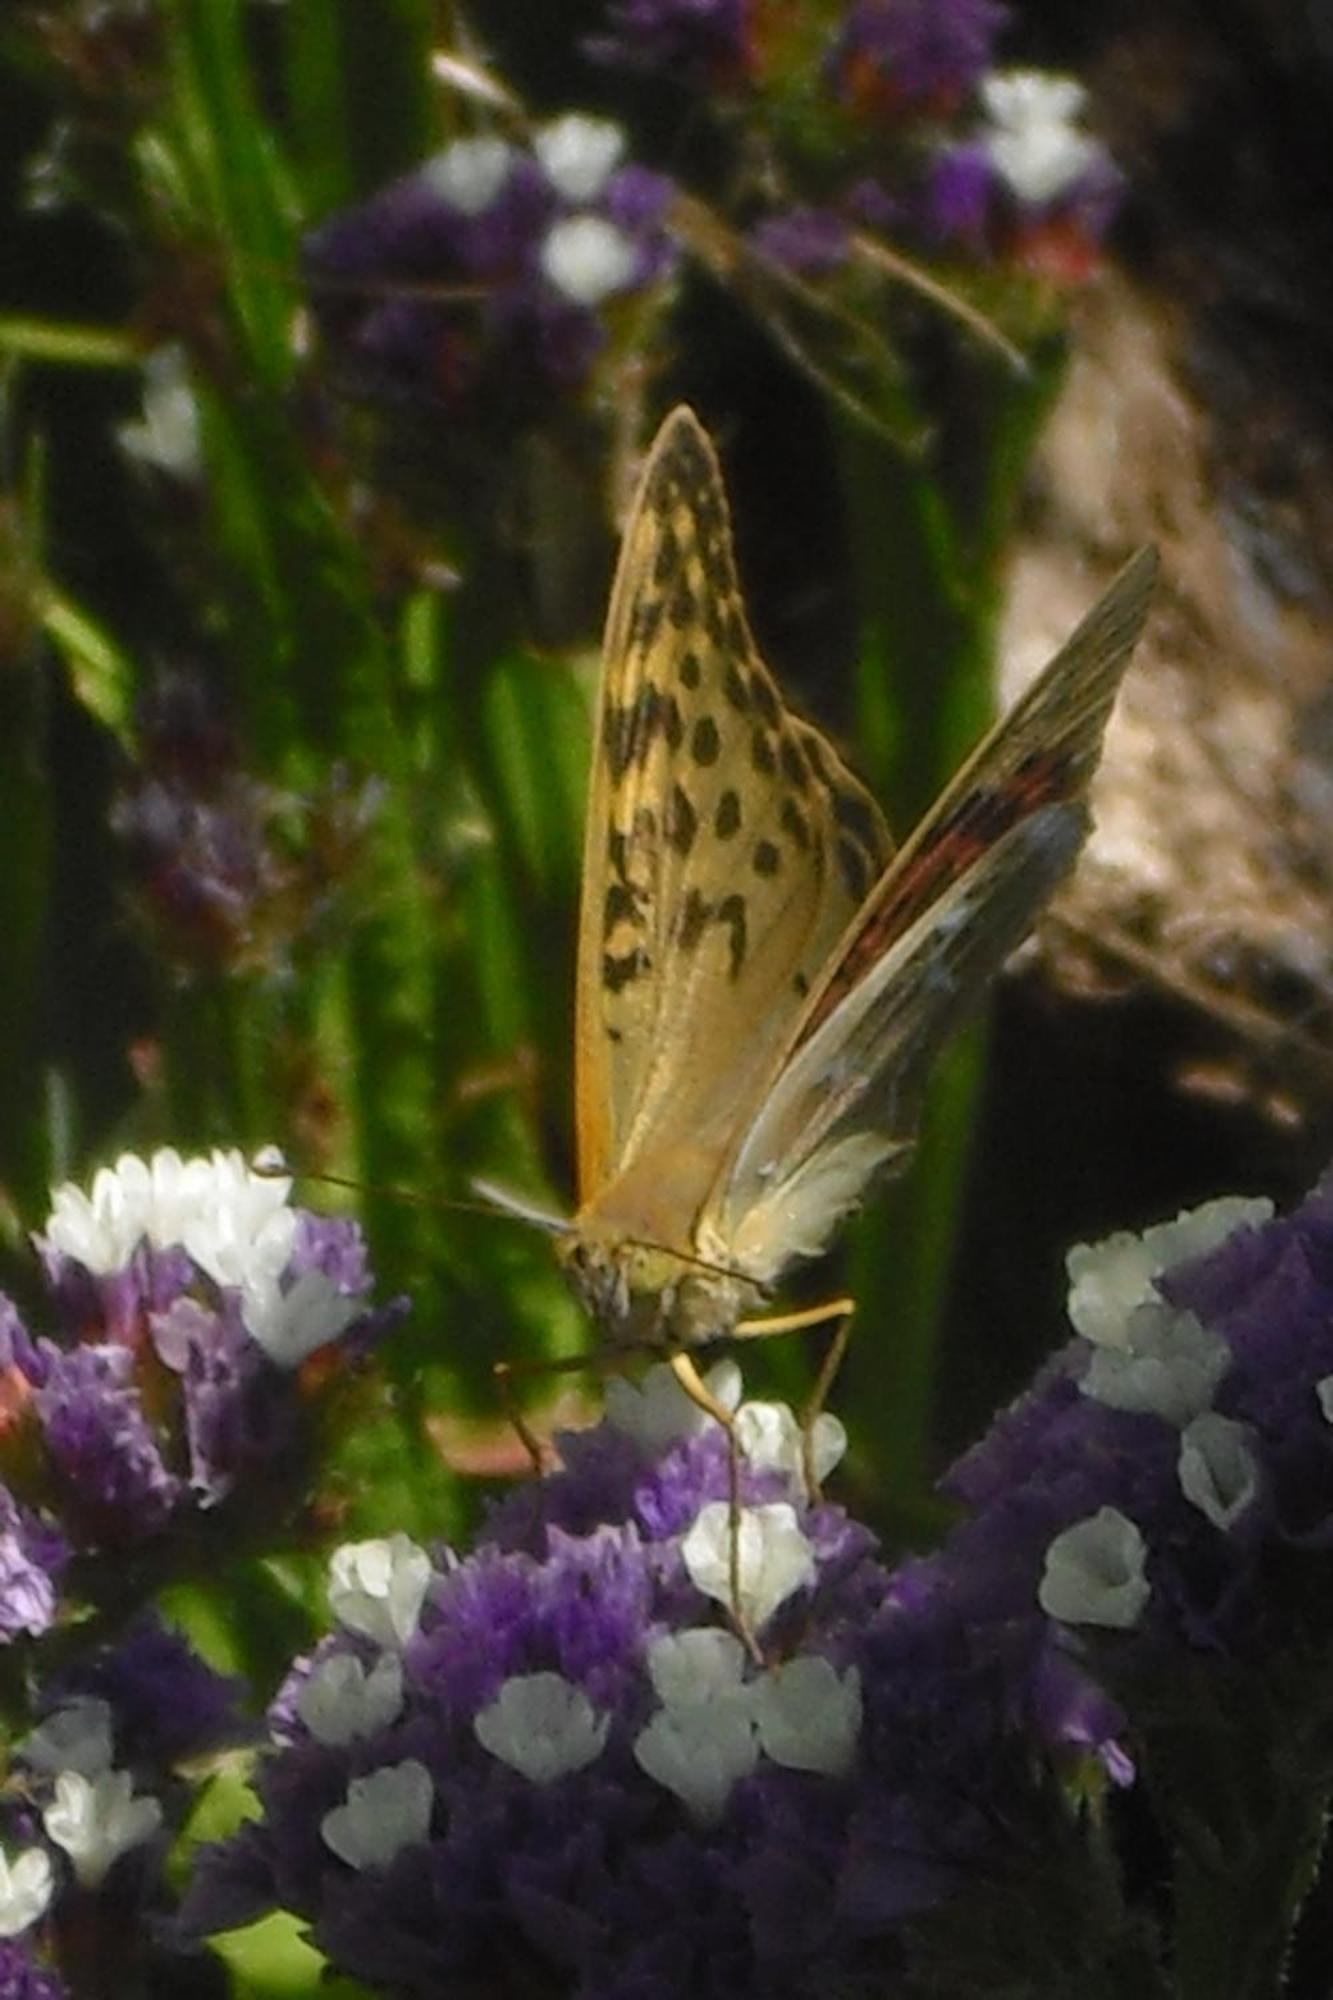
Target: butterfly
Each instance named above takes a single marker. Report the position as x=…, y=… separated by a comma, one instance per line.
x=762, y=981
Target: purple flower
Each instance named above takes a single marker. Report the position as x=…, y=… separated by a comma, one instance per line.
x=32, y=1557
x=485, y=280
x=191, y=1294
x=811, y=241
x=1030, y=185
x=166, y=1703
x=960, y=196
x=697, y=41
x=557, y=1754
x=21, y=1978
x=923, y=57
x=115, y=1484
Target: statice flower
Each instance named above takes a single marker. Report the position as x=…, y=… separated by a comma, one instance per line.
x=489, y=280
x=562, y=1760
x=186, y=1295
x=94, y=1788
x=33, y=1553
x=896, y=58
x=227, y=870
x=1159, y=1479
x=701, y=42
x=1029, y=183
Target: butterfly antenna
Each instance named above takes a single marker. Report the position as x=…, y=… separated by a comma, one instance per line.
x=495, y=1202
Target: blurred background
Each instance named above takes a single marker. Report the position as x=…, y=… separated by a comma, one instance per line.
x=330, y=334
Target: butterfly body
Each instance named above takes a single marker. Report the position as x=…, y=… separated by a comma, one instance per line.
x=762, y=982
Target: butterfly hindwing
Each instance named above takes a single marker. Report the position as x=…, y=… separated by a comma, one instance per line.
x=844, y=1094
x=728, y=848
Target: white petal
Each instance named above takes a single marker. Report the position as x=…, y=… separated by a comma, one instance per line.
x=385, y=1812
x=588, y=258
x=698, y=1752
x=696, y=1666
x=378, y=1587
x=1107, y=1281
x=470, y=173
x=775, y=1558
x=657, y=1413
x=340, y=1700
x=1034, y=143
x=76, y=1737
x=95, y=1821
x=1169, y=1366
x=1094, y=1573
x=809, y=1715
x=1324, y=1391
x=25, y=1890
x=771, y=1440
x=290, y=1325
x=1217, y=1468
x=543, y=1726
x=167, y=435
x=1110, y=1279
x=579, y=154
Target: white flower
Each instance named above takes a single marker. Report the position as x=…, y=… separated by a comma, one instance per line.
x=234, y=1222
x=774, y=1558
x=377, y=1588
x=76, y=1737
x=1110, y=1279
x=707, y=1664
x=384, y=1813
x=771, y=1440
x=25, y=1890
x=1169, y=1366
x=543, y=1726
x=291, y=1324
x=579, y=154
x=698, y=1750
x=1217, y=1469
x=656, y=1412
x=340, y=1700
x=1094, y=1573
x=167, y=435
x=702, y=1739
x=96, y=1820
x=241, y=1230
x=588, y=258
x=809, y=1715
x=1324, y=1391
x=1034, y=142
x=470, y=173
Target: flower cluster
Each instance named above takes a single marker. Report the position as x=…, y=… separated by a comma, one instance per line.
x=228, y=871
x=554, y=1761
x=488, y=280
x=1168, y=1467
x=91, y=1798
x=188, y=1295
x=897, y=120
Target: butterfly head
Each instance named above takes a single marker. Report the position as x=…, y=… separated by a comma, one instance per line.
x=641, y=1294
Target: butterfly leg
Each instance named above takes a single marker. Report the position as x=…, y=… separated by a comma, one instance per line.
x=699, y=1393
x=797, y=1322
x=506, y=1374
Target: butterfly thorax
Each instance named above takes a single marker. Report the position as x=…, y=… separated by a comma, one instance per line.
x=643, y=1295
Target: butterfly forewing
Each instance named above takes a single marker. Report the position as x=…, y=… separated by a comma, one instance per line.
x=843, y=1096
x=1043, y=751
x=728, y=848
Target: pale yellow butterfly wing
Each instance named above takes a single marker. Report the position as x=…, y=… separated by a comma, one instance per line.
x=727, y=850
x=844, y=1095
